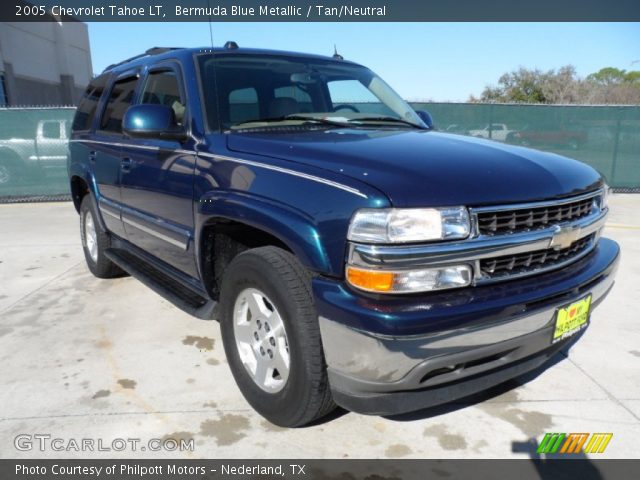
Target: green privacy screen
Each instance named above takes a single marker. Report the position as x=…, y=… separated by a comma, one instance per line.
x=33, y=141
x=33, y=152
x=605, y=137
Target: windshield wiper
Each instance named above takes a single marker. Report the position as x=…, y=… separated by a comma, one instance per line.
x=295, y=116
x=383, y=118
x=314, y=119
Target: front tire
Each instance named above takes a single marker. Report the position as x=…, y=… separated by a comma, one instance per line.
x=272, y=339
x=95, y=241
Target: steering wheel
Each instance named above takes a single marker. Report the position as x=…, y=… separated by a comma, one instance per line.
x=345, y=106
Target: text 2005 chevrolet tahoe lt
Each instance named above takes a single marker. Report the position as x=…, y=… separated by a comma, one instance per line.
x=353, y=255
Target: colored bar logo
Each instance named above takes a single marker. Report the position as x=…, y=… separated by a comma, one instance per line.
x=574, y=443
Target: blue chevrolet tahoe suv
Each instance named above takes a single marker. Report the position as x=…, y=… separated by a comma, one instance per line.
x=353, y=255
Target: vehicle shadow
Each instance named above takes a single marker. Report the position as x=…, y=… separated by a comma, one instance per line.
x=334, y=415
x=558, y=466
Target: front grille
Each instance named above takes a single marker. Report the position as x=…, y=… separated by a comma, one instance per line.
x=508, y=265
x=526, y=219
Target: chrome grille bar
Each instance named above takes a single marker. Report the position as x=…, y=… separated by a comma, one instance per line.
x=510, y=264
x=495, y=223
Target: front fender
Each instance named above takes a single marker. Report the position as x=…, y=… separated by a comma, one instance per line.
x=292, y=227
x=305, y=207
x=16, y=154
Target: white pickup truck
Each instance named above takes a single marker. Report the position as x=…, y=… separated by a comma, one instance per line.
x=46, y=150
x=494, y=131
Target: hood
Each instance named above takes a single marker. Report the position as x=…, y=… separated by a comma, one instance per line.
x=425, y=168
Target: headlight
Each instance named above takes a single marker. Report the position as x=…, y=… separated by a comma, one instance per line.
x=394, y=225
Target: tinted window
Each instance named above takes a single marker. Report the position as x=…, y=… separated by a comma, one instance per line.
x=299, y=95
x=51, y=130
x=236, y=87
x=352, y=95
x=243, y=105
x=162, y=88
x=119, y=100
x=88, y=105
x=349, y=91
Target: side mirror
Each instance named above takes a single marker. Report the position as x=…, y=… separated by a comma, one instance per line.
x=426, y=118
x=152, y=121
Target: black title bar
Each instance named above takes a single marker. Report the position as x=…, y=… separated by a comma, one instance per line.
x=321, y=11
x=534, y=469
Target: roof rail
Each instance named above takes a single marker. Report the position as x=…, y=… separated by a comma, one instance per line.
x=150, y=52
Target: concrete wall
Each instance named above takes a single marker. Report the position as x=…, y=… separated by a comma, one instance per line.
x=44, y=63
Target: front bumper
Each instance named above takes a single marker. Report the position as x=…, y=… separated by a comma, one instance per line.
x=394, y=355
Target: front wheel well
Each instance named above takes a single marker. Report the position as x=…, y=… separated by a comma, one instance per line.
x=11, y=159
x=221, y=241
x=8, y=155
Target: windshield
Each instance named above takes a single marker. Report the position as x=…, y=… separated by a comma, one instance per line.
x=248, y=91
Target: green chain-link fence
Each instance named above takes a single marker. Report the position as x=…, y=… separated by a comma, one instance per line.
x=605, y=137
x=33, y=141
x=33, y=153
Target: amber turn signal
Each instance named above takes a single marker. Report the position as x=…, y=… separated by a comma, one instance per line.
x=371, y=280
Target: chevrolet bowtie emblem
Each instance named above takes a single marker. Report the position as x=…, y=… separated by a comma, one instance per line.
x=563, y=237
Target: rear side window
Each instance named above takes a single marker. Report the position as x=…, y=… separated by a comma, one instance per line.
x=162, y=88
x=89, y=104
x=119, y=100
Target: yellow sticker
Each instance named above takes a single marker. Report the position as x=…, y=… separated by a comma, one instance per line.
x=572, y=319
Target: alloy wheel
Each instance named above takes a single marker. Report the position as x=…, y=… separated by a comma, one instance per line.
x=261, y=340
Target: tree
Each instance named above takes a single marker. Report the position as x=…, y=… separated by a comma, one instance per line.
x=607, y=76
x=562, y=86
x=609, y=85
x=520, y=86
x=632, y=77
